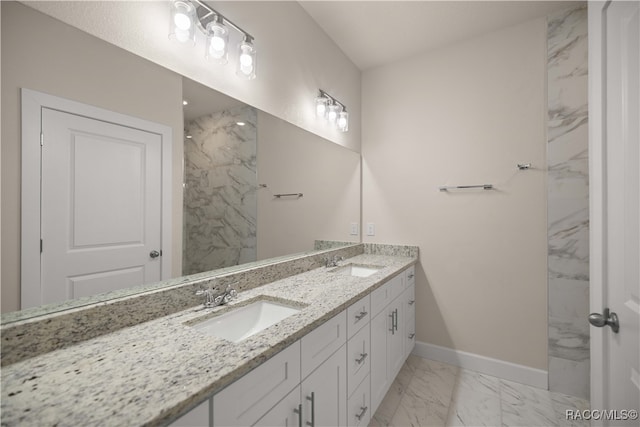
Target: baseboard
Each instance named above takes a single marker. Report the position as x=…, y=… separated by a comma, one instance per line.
x=485, y=365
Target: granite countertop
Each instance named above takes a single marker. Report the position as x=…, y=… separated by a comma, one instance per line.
x=151, y=373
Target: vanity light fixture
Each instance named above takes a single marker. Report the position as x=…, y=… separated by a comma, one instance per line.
x=332, y=110
x=187, y=15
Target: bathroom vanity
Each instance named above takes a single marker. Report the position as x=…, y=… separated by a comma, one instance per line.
x=329, y=361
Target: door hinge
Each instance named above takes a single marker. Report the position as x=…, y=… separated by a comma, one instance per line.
x=41, y=139
x=40, y=245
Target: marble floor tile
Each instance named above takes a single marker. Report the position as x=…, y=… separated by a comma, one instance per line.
x=526, y=406
x=438, y=394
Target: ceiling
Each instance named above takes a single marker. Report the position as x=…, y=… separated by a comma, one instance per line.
x=375, y=33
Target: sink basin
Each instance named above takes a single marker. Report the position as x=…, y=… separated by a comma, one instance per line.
x=242, y=322
x=358, y=270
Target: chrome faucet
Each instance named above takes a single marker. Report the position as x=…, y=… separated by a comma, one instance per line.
x=333, y=262
x=213, y=299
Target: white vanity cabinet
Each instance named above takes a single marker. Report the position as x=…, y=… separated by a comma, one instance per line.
x=336, y=375
x=390, y=327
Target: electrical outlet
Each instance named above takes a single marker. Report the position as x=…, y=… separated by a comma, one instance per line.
x=353, y=229
x=371, y=229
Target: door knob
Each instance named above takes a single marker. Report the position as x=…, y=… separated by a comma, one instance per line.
x=606, y=318
x=154, y=254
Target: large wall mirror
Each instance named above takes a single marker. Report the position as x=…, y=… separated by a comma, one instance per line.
x=230, y=161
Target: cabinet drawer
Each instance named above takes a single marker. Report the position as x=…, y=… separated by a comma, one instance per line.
x=358, y=315
x=382, y=296
x=359, y=406
x=410, y=301
x=322, y=342
x=410, y=276
x=246, y=400
x=358, y=358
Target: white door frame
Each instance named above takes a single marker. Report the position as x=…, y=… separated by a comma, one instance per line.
x=32, y=104
x=596, y=199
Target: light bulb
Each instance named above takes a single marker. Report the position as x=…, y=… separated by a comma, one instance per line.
x=321, y=106
x=182, y=21
x=217, y=41
x=246, y=59
x=343, y=121
x=217, y=44
x=333, y=113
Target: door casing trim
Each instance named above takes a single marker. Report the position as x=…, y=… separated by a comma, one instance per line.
x=32, y=104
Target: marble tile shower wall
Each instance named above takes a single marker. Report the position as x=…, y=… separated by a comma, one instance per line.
x=220, y=205
x=568, y=202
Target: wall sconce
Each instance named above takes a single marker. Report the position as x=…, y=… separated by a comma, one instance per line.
x=332, y=110
x=187, y=15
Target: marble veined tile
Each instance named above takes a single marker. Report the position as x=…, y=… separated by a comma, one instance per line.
x=220, y=204
x=563, y=404
x=475, y=400
x=569, y=376
x=569, y=339
x=523, y=405
x=427, y=397
x=568, y=299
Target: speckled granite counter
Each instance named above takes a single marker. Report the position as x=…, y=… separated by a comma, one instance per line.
x=151, y=373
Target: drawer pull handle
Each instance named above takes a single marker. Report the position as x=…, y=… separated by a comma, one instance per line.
x=411, y=276
x=361, y=316
x=298, y=411
x=412, y=302
x=312, y=399
x=362, y=357
x=363, y=410
x=393, y=323
x=411, y=336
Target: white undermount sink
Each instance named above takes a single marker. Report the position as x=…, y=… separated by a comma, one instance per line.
x=243, y=322
x=358, y=270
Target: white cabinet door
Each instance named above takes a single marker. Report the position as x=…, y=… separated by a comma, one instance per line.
x=324, y=393
x=395, y=338
x=287, y=413
x=197, y=417
x=380, y=328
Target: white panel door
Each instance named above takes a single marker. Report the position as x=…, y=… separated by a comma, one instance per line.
x=615, y=44
x=101, y=206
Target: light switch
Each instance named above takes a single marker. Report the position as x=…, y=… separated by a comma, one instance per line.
x=371, y=229
x=353, y=230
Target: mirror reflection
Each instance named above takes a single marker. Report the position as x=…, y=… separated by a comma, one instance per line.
x=229, y=160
